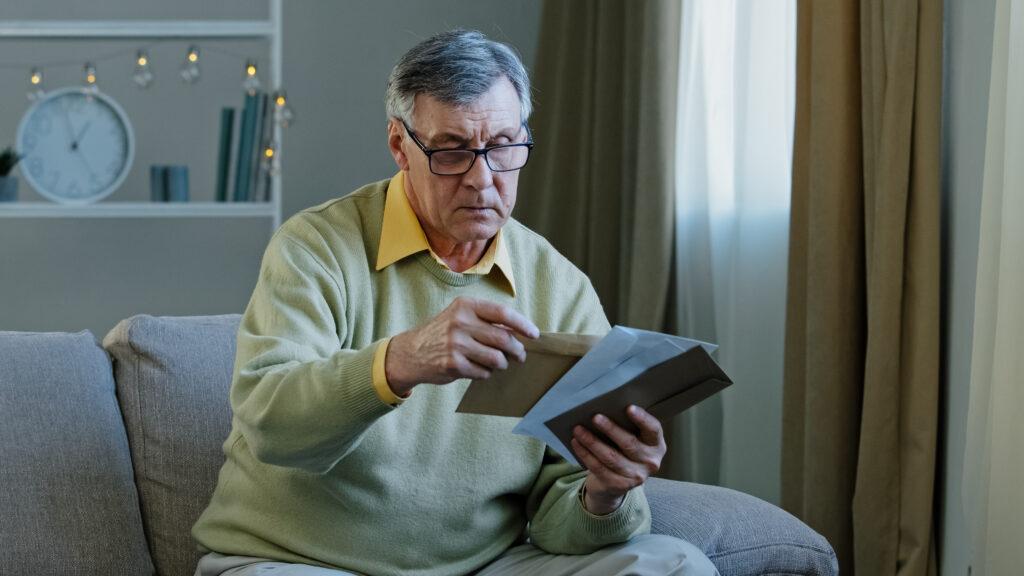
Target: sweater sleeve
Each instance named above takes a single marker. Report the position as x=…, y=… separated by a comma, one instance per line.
x=559, y=524
x=299, y=398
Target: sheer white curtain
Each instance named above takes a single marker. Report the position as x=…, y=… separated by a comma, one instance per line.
x=993, y=485
x=735, y=125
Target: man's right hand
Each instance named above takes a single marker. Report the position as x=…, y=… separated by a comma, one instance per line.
x=470, y=339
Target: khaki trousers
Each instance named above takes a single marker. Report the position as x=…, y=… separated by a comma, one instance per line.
x=645, y=555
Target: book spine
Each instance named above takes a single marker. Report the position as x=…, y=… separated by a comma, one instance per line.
x=267, y=136
x=243, y=166
x=257, y=146
x=227, y=125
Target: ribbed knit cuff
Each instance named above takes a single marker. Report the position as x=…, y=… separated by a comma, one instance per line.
x=380, y=376
x=614, y=526
x=356, y=372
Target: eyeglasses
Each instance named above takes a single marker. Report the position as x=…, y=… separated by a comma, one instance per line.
x=454, y=161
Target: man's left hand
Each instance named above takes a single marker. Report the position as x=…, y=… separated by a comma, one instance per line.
x=615, y=470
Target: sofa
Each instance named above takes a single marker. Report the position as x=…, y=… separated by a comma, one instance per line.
x=110, y=450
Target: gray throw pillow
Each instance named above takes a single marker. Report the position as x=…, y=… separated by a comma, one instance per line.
x=173, y=378
x=68, y=503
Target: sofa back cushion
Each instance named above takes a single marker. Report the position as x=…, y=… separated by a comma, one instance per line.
x=68, y=503
x=173, y=378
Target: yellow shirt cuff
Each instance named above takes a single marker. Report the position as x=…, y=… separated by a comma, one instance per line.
x=380, y=377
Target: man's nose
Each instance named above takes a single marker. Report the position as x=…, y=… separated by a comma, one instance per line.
x=480, y=175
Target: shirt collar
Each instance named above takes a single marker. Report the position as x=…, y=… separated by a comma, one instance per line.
x=401, y=235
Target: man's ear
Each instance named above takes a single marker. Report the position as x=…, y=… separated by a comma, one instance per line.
x=396, y=135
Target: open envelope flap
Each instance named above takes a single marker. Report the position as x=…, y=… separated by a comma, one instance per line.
x=514, y=391
x=665, y=390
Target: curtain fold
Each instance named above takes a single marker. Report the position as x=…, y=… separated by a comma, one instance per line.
x=993, y=466
x=861, y=390
x=600, y=183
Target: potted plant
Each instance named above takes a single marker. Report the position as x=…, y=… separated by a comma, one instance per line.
x=8, y=183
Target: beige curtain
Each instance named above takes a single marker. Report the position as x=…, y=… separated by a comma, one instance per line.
x=600, y=183
x=993, y=457
x=862, y=326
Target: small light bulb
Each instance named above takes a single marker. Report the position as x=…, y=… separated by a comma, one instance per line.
x=282, y=111
x=190, y=68
x=269, y=152
x=142, y=76
x=35, y=78
x=90, y=74
x=252, y=81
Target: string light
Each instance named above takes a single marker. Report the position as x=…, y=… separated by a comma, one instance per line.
x=270, y=160
x=143, y=75
x=35, y=80
x=282, y=110
x=252, y=81
x=90, y=75
x=190, y=67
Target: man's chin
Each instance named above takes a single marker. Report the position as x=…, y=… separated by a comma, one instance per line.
x=476, y=231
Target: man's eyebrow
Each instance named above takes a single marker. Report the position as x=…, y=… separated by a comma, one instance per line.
x=447, y=138
x=459, y=140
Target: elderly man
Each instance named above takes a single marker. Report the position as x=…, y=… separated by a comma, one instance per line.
x=370, y=315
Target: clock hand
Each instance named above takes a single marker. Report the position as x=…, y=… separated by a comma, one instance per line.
x=87, y=166
x=67, y=122
x=81, y=133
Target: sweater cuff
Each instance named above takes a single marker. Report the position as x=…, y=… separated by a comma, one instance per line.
x=357, y=372
x=380, y=376
x=614, y=525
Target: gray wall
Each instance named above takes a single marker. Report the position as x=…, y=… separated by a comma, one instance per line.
x=73, y=274
x=968, y=40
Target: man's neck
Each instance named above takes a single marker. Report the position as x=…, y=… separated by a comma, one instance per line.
x=458, y=256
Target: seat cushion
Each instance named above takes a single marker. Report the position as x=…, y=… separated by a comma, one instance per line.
x=173, y=379
x=68, y=502
x=743, y=535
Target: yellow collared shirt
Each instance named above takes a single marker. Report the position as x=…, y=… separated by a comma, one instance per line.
x=401, y=236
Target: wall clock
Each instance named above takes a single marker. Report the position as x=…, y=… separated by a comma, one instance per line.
x=77, y=145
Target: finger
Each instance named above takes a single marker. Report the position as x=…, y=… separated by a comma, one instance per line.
x=499, y=338
x=497, y=314
x=485, y=356
x=650, y=428
x=587, y=458
x=611, y=458
x=628, y=443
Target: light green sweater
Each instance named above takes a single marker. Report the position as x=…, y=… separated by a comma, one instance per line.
x=320, y=471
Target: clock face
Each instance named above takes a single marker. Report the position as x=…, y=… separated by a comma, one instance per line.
x=77, y=145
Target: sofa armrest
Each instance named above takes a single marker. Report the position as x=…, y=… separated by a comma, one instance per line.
x=743, y=535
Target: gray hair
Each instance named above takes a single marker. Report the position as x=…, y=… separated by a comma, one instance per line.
x=455, y=67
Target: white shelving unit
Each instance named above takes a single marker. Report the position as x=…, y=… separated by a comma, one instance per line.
x=270, y=30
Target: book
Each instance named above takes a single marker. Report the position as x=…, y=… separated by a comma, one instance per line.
x=568, y=378
x=243, y=160
x=262, y=193
x=227, y=124
x=257, y=146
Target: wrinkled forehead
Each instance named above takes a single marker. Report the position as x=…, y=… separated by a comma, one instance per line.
x=494, y=113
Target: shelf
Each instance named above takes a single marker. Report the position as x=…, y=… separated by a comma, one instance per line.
x=136, y=29
x=139, y=210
